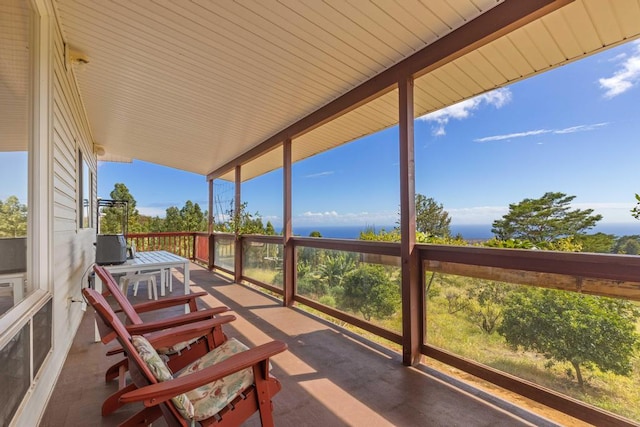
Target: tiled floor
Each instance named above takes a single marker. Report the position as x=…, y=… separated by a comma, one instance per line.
x=330, y=377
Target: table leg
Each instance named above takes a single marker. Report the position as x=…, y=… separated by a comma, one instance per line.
x=187, y=289
x=162, y=281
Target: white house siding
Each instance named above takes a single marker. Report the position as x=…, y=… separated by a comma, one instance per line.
x=72, y=248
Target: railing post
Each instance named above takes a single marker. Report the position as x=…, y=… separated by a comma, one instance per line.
x=194, y=247
x=212, y=247
x=212, y=251
x=412, y=312
x=238, y=247
x=288, y=258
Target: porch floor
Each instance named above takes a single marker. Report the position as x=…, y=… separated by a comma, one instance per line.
x=330, y=377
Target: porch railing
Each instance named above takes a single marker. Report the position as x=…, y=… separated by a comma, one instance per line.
x=190, y=245
x=617, y=276
x=261, y=263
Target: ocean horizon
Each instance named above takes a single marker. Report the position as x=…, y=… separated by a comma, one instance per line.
x=468, y=231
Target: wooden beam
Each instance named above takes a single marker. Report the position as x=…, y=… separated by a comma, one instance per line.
x=491, y=25
x=289, y=258
x=212, y=246
x=237, y=211
x=410, y=265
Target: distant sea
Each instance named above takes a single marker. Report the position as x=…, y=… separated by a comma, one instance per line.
x=468, y=231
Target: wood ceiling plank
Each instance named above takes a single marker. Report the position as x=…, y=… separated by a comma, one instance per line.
x=539, y=34
x=469, y=65
x=604, y=21
x=578, y=20
x=627, y=13
x=525, y=46
x=510, y=52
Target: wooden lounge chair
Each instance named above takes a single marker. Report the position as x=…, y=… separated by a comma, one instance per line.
x=222, y=388
x=132, y=312
x=180, y=354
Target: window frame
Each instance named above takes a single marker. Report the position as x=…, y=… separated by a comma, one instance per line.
x=85, y=181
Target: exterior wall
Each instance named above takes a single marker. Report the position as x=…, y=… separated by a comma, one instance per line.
x=71, y=251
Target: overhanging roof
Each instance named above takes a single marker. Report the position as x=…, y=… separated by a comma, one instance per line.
x=195, y=85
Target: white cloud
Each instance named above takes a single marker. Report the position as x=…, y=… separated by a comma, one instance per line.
x=319, y=174
x=625, y=77
x=320, y=214
x=464, y=109
x=572, y=129
x=333, y=218
x=580, y=128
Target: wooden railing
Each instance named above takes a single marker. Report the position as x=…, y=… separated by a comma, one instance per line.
x=190, y=245
x=616, y=276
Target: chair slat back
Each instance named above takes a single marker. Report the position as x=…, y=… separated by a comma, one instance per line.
x=138, y=369
x=105, y=314
x=112, y=286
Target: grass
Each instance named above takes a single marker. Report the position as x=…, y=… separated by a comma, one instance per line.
x=453, y=332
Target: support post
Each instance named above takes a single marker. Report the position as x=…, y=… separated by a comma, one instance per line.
x=237, y=270
x=412, y=316
x=289, y=257
x=212, y=248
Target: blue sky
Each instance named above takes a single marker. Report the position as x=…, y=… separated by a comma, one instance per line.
x=575, y=129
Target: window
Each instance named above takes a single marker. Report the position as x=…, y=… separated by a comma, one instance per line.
x=85, y=179
x=16, y=29
x=25, y=306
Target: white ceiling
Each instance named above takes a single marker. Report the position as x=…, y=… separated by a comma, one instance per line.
x=195, y=84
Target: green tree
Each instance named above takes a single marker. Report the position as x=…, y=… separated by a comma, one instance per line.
x=546, y=219
x=431, y=218
x=242, y=222
x=269, y=230
x=485, y=303
x=369, y=290
x=111, y=221
x=193, y=219
x=635, y=212
x=597, y=243
x=172, y=219
x=629, y=245
x=583, y=330
x=156, y=224
x=13, y=218
x=315, y=234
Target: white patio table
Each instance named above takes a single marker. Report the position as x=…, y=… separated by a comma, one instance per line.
x=149, y=261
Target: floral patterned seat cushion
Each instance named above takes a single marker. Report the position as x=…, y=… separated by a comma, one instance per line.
x=162, y=373
x=211, y=398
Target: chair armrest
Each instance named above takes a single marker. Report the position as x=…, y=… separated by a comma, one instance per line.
x=168, y=337
x=170, y=302
x=155, y=394
x=172, y=322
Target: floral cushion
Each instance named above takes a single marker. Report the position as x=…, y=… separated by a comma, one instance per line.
x=162, y=373
x=209, y=399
